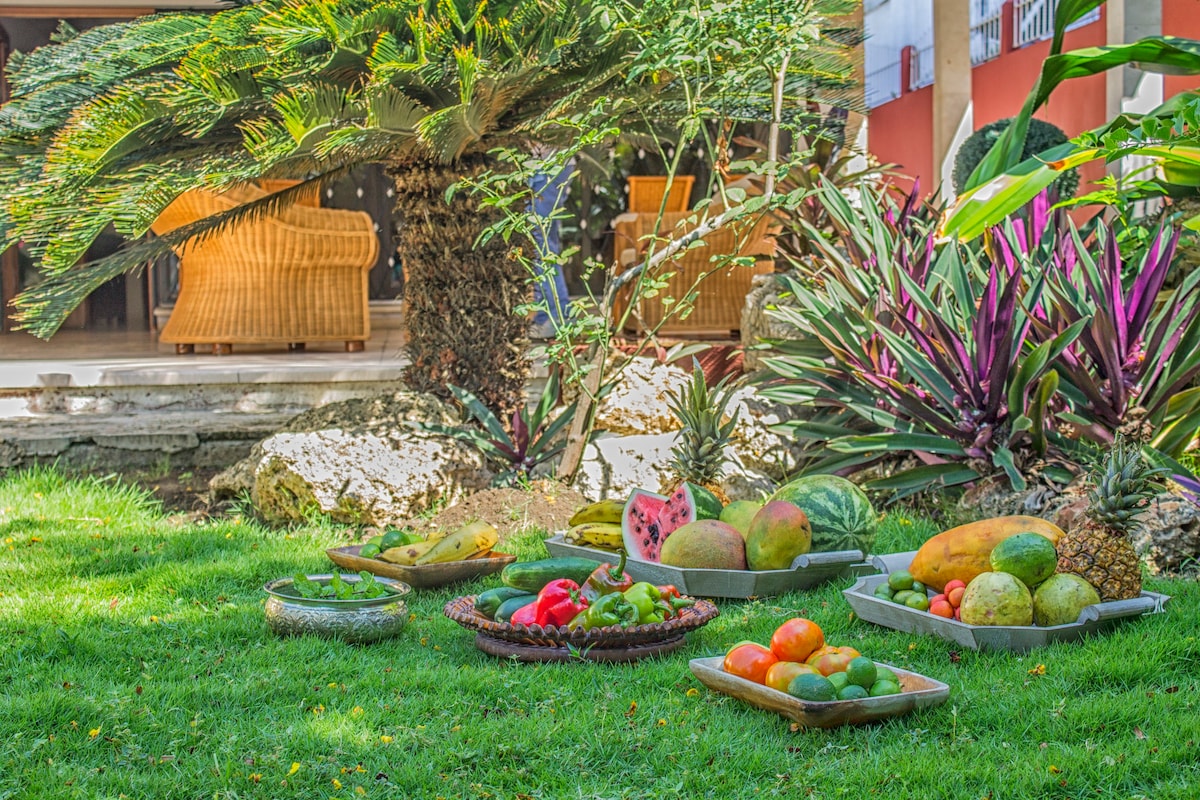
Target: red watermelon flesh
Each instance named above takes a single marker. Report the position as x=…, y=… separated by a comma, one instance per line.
x=650, y=518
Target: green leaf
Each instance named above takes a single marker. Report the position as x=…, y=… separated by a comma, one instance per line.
x=890, y=442
x=920, y=478
x=1003, y=458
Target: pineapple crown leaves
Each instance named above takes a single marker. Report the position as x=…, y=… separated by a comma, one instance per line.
x=1122, y=484
x=700, y=409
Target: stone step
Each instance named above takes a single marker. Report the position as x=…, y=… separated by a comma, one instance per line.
x=134, y=441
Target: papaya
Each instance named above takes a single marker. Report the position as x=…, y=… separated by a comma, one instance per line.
x=962, y=553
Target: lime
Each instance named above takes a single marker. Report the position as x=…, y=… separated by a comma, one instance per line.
x=884, y=592
x=411, y=537
x=900, y=579
x=392, y=538
x=808, y=686
x=881, y=688
x=377, y=541
x=885, y=674
x=918, y=587
x=369, y=550
x=902, y=596
x=839, y=680
x=918, y=601
x=853, y=692
x=861, y=671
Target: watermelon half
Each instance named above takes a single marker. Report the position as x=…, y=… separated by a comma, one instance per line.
x=842, y=517
x=650, y=518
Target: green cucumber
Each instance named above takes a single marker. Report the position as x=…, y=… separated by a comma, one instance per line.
x=488, y=602
x=533, y=575
x=512, y=605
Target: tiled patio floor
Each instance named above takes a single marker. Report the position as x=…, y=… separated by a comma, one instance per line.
x=121, y=358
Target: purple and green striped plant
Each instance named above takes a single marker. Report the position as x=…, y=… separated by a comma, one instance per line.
x=1138, y=351
x=930, y=358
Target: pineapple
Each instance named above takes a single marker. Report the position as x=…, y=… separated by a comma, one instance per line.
x=1097, y=547
x=701, y=449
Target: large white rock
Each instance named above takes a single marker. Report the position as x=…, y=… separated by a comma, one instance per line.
x=637, y=404
x=361, y=478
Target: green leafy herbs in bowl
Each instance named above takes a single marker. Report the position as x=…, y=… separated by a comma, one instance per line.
x=365, y=588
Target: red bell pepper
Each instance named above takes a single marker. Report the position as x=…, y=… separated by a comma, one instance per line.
x=607, y=579
x=525, y=615
x=558, y=603
x=672, y=601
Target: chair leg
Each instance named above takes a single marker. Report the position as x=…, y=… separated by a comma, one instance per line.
x=295, y=347
x=355, y=347
x=184, y=349
x=222, y=349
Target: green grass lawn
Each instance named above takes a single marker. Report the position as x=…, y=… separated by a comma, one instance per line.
x=135, y=662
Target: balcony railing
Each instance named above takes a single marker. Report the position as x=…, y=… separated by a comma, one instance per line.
x=920, y=68
x=987, y=30
x=883, y=84
x=1033, y=20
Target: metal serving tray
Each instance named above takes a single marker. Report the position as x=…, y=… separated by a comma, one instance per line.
x=1015, y=638
x=807, y=571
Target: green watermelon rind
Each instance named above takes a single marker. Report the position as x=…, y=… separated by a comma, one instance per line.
x=840, y=513
x=707, y=504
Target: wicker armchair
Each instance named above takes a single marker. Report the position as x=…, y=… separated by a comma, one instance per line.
x=294, y=277
x=722, y=294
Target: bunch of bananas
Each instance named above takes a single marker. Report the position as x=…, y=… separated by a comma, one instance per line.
x=469, y=541
x=597, y=525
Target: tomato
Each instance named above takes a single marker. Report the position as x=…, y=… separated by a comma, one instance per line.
x=750, y=661
x=796, y=639
x=780, y=675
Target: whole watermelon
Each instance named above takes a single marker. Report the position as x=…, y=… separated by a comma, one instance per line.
x=840, y=513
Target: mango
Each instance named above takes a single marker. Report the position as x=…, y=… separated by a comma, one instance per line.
x=778, y=533
x=739, y=514
x=705, y=544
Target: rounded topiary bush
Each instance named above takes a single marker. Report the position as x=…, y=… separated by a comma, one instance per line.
x=1040, y=136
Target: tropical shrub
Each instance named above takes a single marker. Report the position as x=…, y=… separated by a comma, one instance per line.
x=1041, y=136
x=1009, y=358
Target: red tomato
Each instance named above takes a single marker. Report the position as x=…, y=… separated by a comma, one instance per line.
x=796, y=639
x=750, y=661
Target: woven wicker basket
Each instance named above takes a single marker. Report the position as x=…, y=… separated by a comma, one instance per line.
x=462, y=610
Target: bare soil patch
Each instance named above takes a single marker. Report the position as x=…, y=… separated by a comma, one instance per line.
x=545, y=505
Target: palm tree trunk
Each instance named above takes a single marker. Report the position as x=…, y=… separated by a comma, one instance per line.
x=460, y=298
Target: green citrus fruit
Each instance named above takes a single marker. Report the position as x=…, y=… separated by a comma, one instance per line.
x=392, y=538
x=861, y=671
x=369, y=550
x=812, y=687
x=900, y=579
x=839, y=680
x=901, y=597
x=377, y=541
x=882, y=688
x=918, y=601
x=853, y=692
x=885, y=674
x=918, y=587
x=884, y=592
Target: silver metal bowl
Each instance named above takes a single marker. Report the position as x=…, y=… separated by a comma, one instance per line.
x=356, y=620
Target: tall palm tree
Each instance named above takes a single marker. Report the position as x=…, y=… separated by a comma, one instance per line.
x=109, y=126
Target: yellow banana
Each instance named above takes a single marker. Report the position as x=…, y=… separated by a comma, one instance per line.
x=604, y=535
x=603, y=511
x=406, y=555
x=467, y=541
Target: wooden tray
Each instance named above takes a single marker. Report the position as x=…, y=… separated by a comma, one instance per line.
x=425, y=576
x=605, y=655
x=917, y=691
x=1012, y=638
x=806, y=571
x=462, y=610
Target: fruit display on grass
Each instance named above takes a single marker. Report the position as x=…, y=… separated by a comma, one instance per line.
x=1098, y=548
x=800, y=663
x=553, y=593
x=1020, y=588
x=405, y=548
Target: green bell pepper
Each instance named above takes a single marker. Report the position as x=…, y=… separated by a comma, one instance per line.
x=644, y=597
